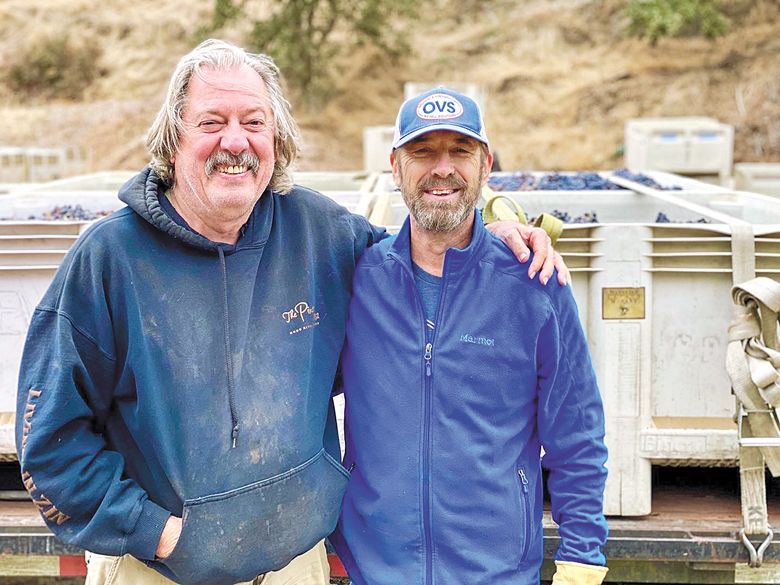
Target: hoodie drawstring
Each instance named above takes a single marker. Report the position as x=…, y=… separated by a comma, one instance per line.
x=228, y=354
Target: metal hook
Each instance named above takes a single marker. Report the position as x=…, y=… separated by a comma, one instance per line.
x=756, y=556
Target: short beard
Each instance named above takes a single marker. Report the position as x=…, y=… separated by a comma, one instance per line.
x=244, y=159
x=442, y=217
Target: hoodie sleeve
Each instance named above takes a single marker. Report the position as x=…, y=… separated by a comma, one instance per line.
x=571, y=428
x=65, y=393
x=365, y=234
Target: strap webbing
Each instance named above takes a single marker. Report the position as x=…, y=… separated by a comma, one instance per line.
x=752, y=361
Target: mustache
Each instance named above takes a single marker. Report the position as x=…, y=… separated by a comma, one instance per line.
x=443, y=183
x=245, y=159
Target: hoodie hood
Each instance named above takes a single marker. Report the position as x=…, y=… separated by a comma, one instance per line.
x=142, y=194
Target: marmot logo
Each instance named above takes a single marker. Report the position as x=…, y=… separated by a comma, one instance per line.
x=489, y=341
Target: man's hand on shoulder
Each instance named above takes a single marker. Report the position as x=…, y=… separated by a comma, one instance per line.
x=169, y=537
x=568, y=573
x=520, y=237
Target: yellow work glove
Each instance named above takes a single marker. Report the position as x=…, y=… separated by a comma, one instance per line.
x=568, y=573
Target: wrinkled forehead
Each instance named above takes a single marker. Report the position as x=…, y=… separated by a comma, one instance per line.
x=236, y=86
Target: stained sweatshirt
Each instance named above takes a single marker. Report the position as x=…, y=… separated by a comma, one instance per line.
x=164, y=373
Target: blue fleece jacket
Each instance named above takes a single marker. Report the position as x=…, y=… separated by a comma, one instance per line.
x=443, y=438
x=164, y=373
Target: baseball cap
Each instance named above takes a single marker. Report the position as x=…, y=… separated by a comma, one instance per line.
x=438, y=109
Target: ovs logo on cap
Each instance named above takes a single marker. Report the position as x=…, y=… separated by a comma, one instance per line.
x=439, y=106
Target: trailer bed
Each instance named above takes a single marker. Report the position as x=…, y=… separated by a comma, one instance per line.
x=691, y=537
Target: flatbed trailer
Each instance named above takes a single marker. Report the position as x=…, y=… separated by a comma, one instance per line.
x=691, y=537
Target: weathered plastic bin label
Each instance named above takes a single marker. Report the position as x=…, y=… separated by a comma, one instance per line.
x=623, y=303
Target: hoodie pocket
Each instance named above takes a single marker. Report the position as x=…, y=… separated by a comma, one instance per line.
x=236, y=535
x=525, y=511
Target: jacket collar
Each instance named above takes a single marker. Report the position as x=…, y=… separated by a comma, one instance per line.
x=456, y=261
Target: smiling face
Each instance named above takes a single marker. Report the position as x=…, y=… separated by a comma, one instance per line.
x=226, y=153
x=440, y=175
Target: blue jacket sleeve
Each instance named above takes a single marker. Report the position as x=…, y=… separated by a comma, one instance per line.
x=571, y=428
x=64, y=395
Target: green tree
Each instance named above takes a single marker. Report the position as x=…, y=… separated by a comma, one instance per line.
x=654, y=19
x=224, y=12
x=305, y=37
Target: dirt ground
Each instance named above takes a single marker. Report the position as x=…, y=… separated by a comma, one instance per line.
x=561, y=78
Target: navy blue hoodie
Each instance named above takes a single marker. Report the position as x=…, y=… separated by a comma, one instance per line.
x=164, y=373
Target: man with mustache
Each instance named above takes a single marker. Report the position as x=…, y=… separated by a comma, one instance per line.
x=457, y=370
x=174, y=396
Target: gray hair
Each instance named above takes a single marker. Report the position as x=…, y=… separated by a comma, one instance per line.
x=164, y=135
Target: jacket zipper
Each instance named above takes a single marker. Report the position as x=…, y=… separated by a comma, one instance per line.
x=427, y=388
x=428, y=357
x=527, y=514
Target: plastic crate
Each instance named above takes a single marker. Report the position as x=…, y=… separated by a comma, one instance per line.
x=336, y=180
x=355, y=201
x=692, y=145
x=758, y=178
x=352, y=189
x=671, y=182
x=13, y=165
x=33, y=164
x=654, y=300
x=31, y=205
x=377, y=145
x=109, y=181
x=30, y=252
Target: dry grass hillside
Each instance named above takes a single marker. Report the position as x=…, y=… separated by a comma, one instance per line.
x=561, y=78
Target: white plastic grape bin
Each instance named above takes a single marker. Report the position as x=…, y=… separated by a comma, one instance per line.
x=689, y=145
x=662, y=372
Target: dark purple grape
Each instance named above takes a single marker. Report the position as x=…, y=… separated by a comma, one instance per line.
x=69, y=213
x=645, y=180
x=663, y=218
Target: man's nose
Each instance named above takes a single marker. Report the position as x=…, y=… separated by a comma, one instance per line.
x=233, y=139
x=443, y=166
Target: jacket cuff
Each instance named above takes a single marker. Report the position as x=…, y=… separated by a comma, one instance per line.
x=142, y=542
x=570, y=573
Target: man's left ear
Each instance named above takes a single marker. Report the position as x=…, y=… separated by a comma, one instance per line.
x=486, y=168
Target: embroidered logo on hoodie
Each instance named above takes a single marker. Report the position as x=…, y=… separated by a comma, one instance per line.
x=303, y=316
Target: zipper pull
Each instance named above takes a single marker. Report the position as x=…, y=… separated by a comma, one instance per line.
x=351, y=467
x=428, y=355
x=234, y=434
x=523, y=479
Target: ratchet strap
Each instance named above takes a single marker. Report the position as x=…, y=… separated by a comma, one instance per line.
x=752, y=362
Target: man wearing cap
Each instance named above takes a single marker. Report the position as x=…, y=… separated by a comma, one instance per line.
x=457, y=371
